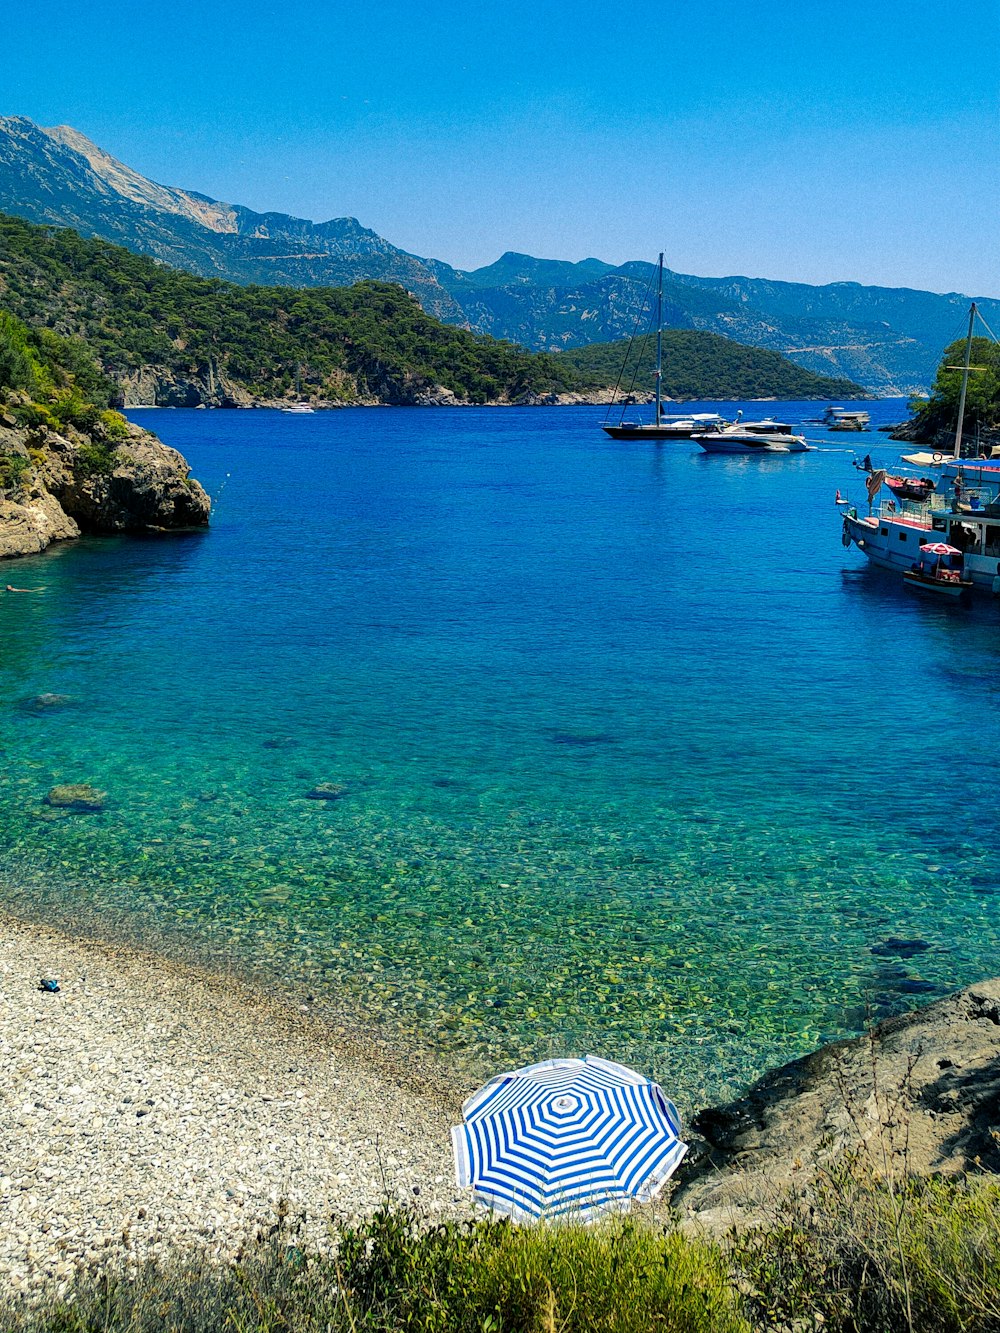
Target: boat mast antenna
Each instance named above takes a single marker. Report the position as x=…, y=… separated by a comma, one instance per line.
x=659, y=345
x=965, y=382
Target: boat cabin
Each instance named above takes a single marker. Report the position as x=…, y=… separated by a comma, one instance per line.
x=846, y=418
x=971, y=534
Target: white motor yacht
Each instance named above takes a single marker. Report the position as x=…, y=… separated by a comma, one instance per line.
x=753, y=437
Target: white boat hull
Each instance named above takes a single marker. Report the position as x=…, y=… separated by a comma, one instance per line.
x=724, y=443
x=935, y=587
x=893, y=542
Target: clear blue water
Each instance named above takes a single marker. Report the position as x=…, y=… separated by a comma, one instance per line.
x=639, y=759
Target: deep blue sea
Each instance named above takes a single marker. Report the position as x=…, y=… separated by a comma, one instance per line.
x=638, y=759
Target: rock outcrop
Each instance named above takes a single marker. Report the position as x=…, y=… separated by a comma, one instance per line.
x=64, y=483
x=157, y=386
x=914, y=431
x=922, y=1090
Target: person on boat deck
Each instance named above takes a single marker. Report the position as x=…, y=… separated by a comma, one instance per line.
x=996, y=582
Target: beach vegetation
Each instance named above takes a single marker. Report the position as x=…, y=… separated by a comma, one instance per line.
x=392, y=1272
x=860, y=1253
x=854, y=1252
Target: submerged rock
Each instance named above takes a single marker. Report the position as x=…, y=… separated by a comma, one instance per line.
x=327, y=791
x=896, y=948
x=582, y=738
x=76, y=796
x=923, y=1087
x=46, y=703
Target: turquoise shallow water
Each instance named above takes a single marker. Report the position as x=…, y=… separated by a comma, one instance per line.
x=639, y=759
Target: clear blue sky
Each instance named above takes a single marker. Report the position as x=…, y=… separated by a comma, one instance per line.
x=815, y=140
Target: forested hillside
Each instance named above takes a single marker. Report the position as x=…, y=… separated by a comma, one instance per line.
x=704, y=365
x=169, y=337
x=371, y=341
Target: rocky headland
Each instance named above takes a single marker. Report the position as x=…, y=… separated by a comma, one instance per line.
x=56, y=483
x=942, y=439
x=920, y=1095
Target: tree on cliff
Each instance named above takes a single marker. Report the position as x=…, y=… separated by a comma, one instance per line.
x=56, y=382
x=982, y=403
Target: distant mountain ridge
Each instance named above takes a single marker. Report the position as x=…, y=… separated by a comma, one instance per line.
x=889, y=339
x=58, y=176
x=169, y=338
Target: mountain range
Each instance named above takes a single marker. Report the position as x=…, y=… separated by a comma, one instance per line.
x=161, y=336
x=888, y=339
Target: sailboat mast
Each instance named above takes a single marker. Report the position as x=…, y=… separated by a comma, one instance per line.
x=965, y=382
x=659, y=345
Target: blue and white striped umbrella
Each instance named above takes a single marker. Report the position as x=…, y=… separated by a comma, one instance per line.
x=567, y=1136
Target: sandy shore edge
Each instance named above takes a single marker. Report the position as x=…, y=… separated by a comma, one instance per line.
x=149, y=1105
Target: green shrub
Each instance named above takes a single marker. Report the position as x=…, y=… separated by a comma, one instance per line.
x=112, y=426
x=96, y=459
x=13, y=470
x=31, y=415
x=861, y=1253
x=621, y=1276
x=71, y=408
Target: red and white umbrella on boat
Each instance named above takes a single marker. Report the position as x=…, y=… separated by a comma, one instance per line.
x=939, y=548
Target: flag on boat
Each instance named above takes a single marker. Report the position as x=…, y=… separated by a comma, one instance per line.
x=567, y=1137
x=874, y=483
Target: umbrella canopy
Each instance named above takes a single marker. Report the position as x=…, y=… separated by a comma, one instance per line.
x=567, y=1136
x=939, y=548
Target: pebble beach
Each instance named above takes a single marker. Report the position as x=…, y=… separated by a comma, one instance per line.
x=148, y=1106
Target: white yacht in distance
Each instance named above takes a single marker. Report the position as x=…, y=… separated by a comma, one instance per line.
x=300, y=407
x=753, y=437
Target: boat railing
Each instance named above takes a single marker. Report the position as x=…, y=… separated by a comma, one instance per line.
x=978, y=497
x=974, y=502
x=920, y=511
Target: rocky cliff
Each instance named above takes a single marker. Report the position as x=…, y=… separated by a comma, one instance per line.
x=55, y=485
x=920, y=1095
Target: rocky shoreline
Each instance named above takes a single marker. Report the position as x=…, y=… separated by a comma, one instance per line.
x=153, y=391
x=150, y=1106
x=919, y=1095
x=62, y=482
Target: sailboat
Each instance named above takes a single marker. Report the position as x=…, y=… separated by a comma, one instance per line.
x=663, y=427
